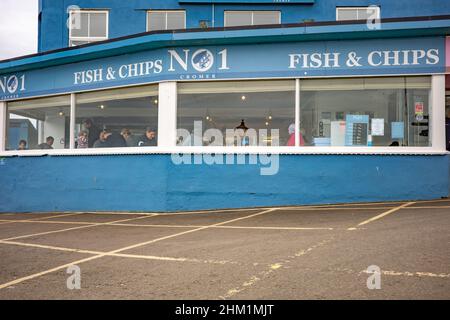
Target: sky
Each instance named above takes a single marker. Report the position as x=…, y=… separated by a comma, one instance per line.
x=18, y=28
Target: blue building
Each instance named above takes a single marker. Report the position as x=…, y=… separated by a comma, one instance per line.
x=203, y=104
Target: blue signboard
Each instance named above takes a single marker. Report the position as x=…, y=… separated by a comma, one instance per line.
x=398, y=130
x=279, y=60
x=250, y=1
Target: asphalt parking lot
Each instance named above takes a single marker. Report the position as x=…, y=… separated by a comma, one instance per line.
x=314, y=252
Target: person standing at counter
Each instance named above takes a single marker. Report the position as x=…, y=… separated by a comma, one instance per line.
x=291, y=141
x=94, y=132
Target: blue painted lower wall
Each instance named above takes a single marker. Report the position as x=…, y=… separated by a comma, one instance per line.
x=155, y=183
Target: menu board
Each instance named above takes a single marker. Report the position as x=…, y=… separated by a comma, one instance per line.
x=356, y=130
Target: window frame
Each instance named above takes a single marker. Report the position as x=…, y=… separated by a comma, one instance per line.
x=253, y=16
x=168, y=112
x=357, y=8
x=165, y=11
x=88, y=39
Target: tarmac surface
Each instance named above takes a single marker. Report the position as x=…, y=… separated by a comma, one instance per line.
x=313, y=252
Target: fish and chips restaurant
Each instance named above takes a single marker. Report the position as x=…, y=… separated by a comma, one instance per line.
x=228, y=118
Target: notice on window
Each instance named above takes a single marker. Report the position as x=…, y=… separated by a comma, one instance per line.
x=398, y=130
x=356, y=130
x=377, y=127
x=338, y=133
x=418, y=111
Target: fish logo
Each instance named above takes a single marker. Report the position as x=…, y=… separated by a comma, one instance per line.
x=12, y=84
x=202, y=60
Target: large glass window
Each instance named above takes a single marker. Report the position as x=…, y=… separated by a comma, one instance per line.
x=87, y=26
x=251, y=18
x=238, y=112
x=38, y=123
x=117, y=118
x=166, y=20
x=390, y=111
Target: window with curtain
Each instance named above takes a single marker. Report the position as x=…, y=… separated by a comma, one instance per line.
x=251, y=18
x=166, y=20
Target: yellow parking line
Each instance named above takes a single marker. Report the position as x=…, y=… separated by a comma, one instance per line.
x=412, y=274
x=429, y=207
x=385, y=214
x=120, y=255
x=219, y=227
x=36, y=275
x=56, y=222
x=334, y=208
x=74, y=228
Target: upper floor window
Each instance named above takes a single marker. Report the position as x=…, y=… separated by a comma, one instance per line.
x=357, y=13
x=87, y=26
x=166, y=20
x=251, y=18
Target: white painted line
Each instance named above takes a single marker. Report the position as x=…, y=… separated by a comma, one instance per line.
x=57, y=222
x=272, y=268
x=427, y=207
x=122, y=255
x=57, y=216
x=335, y=208
x=385, y=213
x=41, y=246
x=74, y=228
x=36, y=275
x=218, y=227
x=413, y=274
x=191, y=231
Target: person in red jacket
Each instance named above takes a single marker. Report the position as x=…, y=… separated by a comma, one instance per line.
x=291, y=141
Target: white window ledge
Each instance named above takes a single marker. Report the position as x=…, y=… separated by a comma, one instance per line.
x=231, y=150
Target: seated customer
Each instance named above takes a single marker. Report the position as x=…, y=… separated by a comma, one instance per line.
x=47, y=144
x=129, y=138
x=22, y=145
x=101, y=141
x=82, y=140
x=394, y=144
x=113, y=140
x=148, y=139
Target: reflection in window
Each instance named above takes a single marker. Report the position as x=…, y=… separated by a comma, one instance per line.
x=117, y=118
x=236, y=113
x=87, y=26
x=39, y=123
x=366, y=111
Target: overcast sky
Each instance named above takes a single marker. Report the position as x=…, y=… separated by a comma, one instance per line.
x=18, y=28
